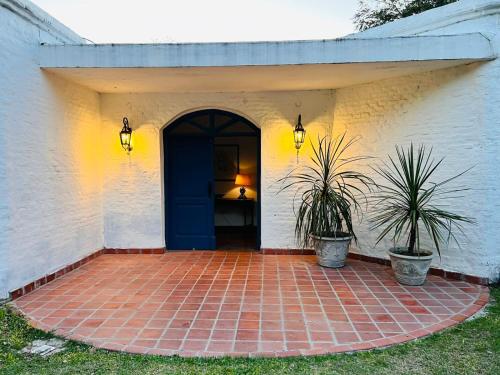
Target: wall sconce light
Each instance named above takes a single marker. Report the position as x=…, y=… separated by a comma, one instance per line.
x=299, y=135
x=126, y=136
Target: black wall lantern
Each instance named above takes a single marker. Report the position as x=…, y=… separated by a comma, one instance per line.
x=299, y=135
x=126, y=136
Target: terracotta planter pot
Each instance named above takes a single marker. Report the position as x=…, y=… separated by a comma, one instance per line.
x=331, y=251
x=410, y=270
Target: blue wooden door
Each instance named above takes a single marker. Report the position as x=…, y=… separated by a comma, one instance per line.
x=190, y=203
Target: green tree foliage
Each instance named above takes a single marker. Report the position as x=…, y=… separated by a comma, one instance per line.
x=376, y=13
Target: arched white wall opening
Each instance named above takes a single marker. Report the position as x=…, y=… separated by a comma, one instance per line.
x=191, y=111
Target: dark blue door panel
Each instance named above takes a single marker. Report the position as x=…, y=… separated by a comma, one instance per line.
x=190, y=204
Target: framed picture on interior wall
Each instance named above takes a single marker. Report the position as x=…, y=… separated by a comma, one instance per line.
x=226, y=162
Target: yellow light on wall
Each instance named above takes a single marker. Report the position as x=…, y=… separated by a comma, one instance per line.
x=126, y=136
x=299, y=135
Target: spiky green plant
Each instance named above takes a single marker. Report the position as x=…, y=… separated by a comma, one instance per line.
x=328, y=191
x=408, y=199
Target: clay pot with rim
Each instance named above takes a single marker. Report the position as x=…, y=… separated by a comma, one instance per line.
x=332, y=251
x=409, y=269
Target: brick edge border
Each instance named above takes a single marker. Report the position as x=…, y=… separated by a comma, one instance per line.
x=380, y=343
x=159, y=250
x=267, y=251
x=15, y=294
x=433, y=271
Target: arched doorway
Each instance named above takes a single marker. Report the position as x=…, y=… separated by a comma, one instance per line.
x=204, y=152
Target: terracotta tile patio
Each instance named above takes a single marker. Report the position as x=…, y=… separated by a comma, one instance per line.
x=238, y=303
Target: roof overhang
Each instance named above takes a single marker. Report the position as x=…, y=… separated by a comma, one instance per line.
x=258, y=66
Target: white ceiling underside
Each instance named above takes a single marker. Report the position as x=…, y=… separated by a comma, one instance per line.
x=259, y=66
x=243, y=78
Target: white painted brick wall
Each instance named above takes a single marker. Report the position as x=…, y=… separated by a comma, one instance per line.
x=455, y=110
x=445, y=109
x=133, y=209
x=50, y=162
x=67, y=188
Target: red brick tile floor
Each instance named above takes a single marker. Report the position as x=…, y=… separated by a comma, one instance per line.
x=244, y=304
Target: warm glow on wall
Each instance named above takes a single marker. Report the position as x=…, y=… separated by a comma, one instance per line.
x=87, y=152
x=279, y=152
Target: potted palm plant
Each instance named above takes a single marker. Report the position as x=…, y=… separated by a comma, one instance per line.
x=407, y=201
x=329, y=194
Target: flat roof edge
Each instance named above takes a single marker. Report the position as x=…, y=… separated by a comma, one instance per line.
x=474, y=46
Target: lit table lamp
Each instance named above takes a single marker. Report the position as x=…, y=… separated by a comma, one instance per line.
x=242, y=180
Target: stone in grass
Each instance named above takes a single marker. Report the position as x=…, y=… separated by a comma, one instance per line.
x=44, y=347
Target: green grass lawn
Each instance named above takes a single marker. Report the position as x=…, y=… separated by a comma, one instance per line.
x=470, y=348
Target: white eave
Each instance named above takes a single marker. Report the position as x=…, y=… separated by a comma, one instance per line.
x=337, y=51
x=258, y=66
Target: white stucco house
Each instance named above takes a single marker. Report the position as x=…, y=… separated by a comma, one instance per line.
x=69, y=190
